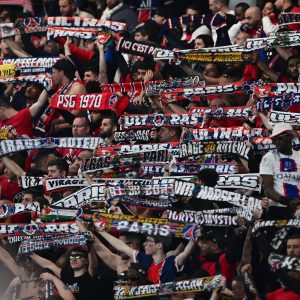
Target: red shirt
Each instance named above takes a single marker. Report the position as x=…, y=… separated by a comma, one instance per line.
x=282, y=294
x=8, y=190
x=22, y=121
x=227, y=270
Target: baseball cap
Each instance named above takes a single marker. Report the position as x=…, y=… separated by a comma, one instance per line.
x=199, y=31
x=280, y=128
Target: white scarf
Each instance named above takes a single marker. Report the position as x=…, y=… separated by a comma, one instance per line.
x=109, y=12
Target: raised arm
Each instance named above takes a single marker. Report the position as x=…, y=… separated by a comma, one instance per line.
x=63, y=291
x=13, y=166
x=102, y=64
x=37, y=106
x=182, y=257
x=45, y=263
x=118, y=244
x=10, y=263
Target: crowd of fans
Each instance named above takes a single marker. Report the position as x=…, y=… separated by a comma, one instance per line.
x=236, y=253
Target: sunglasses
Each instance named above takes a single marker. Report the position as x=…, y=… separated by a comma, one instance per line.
x=76, y=256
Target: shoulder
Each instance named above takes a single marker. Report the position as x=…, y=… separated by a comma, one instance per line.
x=269, y=157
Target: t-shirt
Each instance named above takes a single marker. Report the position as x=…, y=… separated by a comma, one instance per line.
x=22, y=121
x=282, y=294
x=83, y=287
x=162, y=271
x=8, y=190
x=221, y=266
x=285, y=172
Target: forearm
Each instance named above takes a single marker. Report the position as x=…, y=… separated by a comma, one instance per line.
x=102, y=66
x=117, y=244
x=62, y=289
x=269, y=72
x=13, y=166
x=42, y=101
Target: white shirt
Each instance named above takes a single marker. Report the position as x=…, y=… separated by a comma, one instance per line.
x=285, y=170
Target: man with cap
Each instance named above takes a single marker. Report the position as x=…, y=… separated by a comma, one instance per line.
x=279, y=170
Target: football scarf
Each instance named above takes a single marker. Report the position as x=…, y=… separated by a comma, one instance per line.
x=288, y=18
x=213, y=147
x=7, y=70
x=230, y=88
x=159, y=120
x=227, y=57
x=275, y=89
x=276, y=117
x=184, y=188
x=227, y=133
x=161, y=204
x=201, y=218
x=278, y=103
x=32, y=65
x=7, y=210
x=56, y=184
x=85, y=102
x=41, y=79
x=151, y=87
x=80, y=33
x=277, y=224
x=47, y=243
x=227, y=181
x=143, y=49
x=142, y=135
x=225, y=112
x=38, y=229
x=30, y=181
x=204, y=284
x=265, y=144
x=94, y=192
x=12, y=146
x=149, y=226
x=103, y=162
x=279, y=262
x=215, y=20
x=190, y=168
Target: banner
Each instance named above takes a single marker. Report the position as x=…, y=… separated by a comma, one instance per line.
x=204, y=284
x=32, y=65
x=278, y=103
x=276, y=117
x=227, y=133
x=148, y=226
x=94, y=192
x=12, y=146
x=7, y=70
x=159, y=120
x=279, y=262
x=213, y=147
x=48, y=243
x=248, y=203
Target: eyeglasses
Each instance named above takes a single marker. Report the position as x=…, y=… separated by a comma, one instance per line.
x=76, y=256
x=149, y=241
